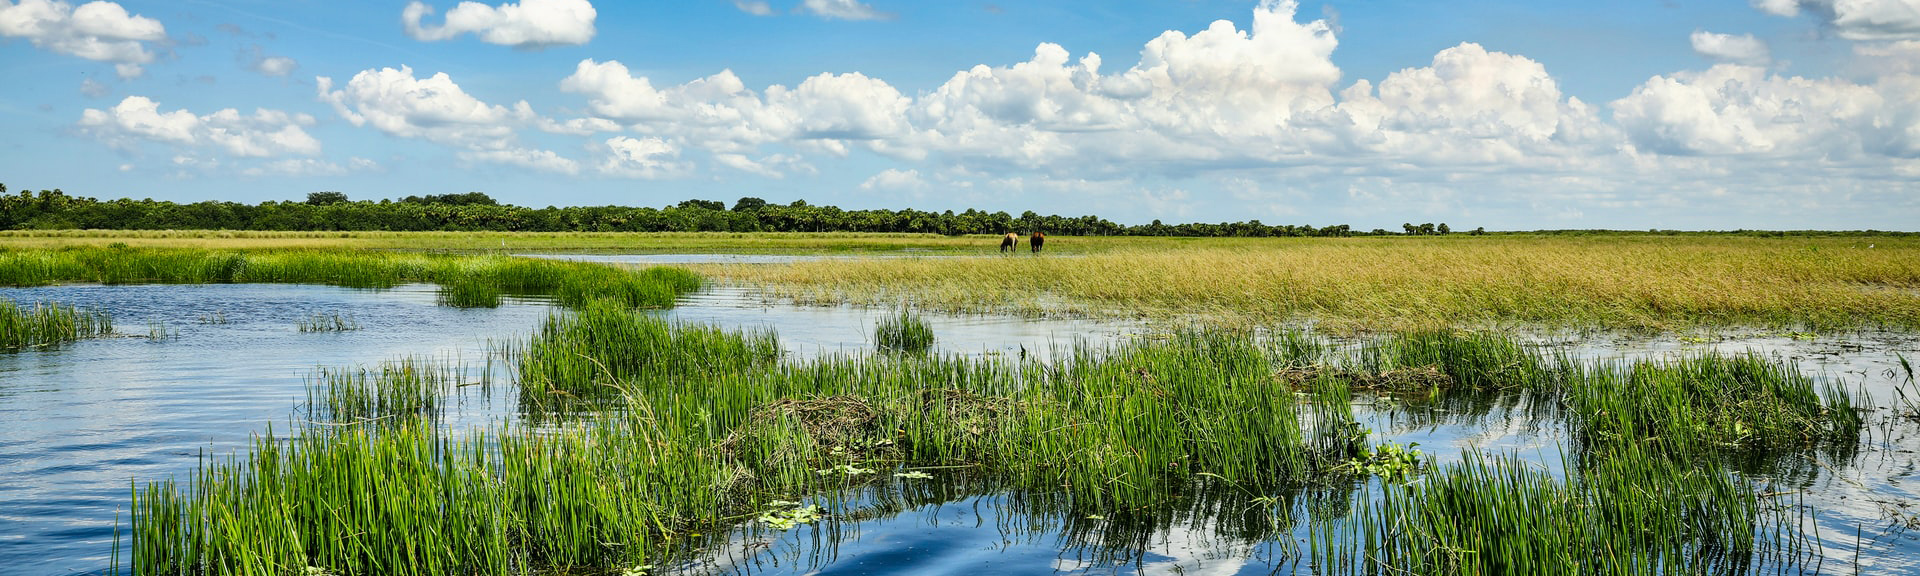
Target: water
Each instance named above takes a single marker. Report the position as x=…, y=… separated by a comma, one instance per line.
x=77, y=423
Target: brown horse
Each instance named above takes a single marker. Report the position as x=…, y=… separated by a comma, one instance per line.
x=1009, y=242
x=1037, y=240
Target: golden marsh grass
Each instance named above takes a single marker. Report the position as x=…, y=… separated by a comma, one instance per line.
x=1631, y=282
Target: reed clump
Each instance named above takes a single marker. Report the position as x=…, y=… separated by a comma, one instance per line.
x=403, y=388
x=1708, y=402
x=1498, y=514
x=48, y=324
x=903, y=331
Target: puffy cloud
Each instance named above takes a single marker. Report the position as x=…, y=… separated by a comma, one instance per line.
x=754, y=7
x=842, y=10
x=435, y=108
x=100, y=31
x=1734, y=109
x=1742, y=49
x=529, y=24
x=1856, y=19
x=265, y=133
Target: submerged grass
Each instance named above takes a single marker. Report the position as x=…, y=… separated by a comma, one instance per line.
x=323, y=322
x=48, y=324
x=699, y=429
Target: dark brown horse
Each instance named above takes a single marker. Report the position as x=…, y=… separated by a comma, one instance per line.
x=1010, y=242
x=1037, y=240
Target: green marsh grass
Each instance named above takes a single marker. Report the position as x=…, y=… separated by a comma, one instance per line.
x=903, y=331
x=691, y=429
x=466, y=280
x=407, y=387
x=1499, y=514
x=48, y=324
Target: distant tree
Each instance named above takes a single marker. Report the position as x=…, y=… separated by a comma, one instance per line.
x=1479, y=231
x=714, y=205
x=325, y=198
x=1408, y=226
x=1444, y=229
x=1427, y=229
x=1380, y=232
x=468, y=199
x=749, y=204
x=798, y=204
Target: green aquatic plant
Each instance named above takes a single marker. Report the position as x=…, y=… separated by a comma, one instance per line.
x=903, y=331
x=785, y=515
x=48, y=325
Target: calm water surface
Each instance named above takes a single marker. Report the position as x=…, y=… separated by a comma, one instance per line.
x=78, y=423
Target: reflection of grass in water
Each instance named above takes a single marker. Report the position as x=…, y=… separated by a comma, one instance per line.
x=48, y=324
x=903, y=331
x=698, y=429
x=324, y=322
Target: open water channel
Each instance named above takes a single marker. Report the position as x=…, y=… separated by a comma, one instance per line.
x=198, y=370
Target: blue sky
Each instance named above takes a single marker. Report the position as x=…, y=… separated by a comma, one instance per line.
x=1504, y=114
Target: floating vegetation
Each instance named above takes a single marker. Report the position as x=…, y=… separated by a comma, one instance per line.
x=325, y=322
x=785, y=515
x=48, y=325
x=903, y=331
x=216, y=317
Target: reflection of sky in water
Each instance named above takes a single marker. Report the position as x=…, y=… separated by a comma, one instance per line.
x=77, y=422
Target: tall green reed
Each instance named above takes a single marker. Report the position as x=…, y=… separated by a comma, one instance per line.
x=48, y=324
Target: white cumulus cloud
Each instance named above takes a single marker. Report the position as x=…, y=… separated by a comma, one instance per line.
x=99, y=31
x=528, y=24
x=264, y=133
x=435, y=108
x=1742, y=49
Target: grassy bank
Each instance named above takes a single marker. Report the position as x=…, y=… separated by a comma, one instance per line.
x=465, y=280
x=699, y=429
x=48, y=324
x=1641, y=283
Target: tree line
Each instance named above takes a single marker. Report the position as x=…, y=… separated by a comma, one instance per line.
x=476, y=211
